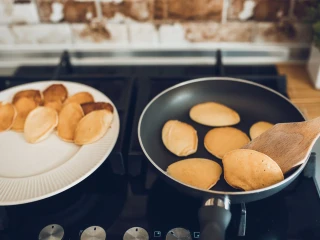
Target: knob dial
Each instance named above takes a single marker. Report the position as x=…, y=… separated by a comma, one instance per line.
x=93, y=233
x=51, y=232
x=178, y=234
x=136, y=233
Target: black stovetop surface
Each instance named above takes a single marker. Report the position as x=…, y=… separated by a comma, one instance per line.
x=125, y=193
x=118, y=203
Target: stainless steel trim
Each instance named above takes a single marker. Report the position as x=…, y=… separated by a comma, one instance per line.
x=224, y=203
x=136, y=233
x=52, y=231
x=213, y=191
x=93, y=232
x=239, y=54
x=243, y=221
x=178, y=234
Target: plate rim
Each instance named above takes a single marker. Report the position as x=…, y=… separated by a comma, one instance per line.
x=116, y=121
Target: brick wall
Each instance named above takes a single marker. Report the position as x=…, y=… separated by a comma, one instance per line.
x=153, y=22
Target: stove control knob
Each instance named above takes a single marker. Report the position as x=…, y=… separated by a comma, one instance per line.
x=52, y=231
x=93, y=233
x=136, y=233
x=179, y=234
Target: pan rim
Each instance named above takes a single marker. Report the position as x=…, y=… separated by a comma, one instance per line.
x=291, y=177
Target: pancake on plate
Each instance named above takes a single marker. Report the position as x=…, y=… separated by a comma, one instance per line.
x=55, y=93
x=80, y=98
x=247, y=169
x=179, y=138
x=93, y=127
x=214, y=114
x=40, y=122
x=69, y=117
x=197, y=172
x=31, y=93
x=56, y=105
x=23, y=107
x=258, y=128
x=8, y=114
x=219, y=141
x=93, y=106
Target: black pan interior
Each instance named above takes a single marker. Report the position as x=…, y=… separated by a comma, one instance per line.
x=252, y=102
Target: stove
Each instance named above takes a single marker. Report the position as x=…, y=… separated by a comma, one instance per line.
x=124, y=198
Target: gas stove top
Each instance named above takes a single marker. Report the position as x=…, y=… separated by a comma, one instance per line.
x=124, y=198
x=118, y=207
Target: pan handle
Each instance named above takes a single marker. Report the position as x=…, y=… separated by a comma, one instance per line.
x=214, y=218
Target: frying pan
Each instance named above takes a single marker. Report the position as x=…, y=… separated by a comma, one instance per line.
x=253, y=102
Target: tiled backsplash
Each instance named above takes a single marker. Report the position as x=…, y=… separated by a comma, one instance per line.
x=153, y=22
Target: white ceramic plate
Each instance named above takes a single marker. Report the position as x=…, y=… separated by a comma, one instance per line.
x=30, y=172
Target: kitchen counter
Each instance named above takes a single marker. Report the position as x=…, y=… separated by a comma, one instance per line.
x=300, y=89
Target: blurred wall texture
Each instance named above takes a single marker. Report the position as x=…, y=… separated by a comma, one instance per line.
x=153, y=22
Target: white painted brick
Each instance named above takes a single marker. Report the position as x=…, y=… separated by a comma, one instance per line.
x=144, y=33
x=172, y=33
x=19, y=13
x=42, y=34
x=118, y=34
x=6, y=36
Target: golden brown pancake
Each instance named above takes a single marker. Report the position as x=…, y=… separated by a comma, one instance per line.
x=39, y=124
x=69, y=117
x=179, y=138
x=93, y=106
x=56, y=105
x=31, y=93
x=249, y=170
x=93, y=127
x=55, y=93
x=219, y=141
x=80, y=98
x=258, y=128
x=198, y=172
x=214, y=114
x=8, y=114
x=23, y=107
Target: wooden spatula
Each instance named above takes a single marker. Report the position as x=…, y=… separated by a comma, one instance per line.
x=289, y=144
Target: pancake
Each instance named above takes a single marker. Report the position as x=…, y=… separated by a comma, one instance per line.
x=249, y=170
x=23, y=107
x=56, y=105
x=80, y=98
x=30, y=93
x=179, y=138
x=8, y=114
x=93, y=106
x=197, y=172
x=258, y=128
x=93, y=127
x=55, y=93
x=39, y=124
x=219, y=141
x=214, y=114
x=69, y=117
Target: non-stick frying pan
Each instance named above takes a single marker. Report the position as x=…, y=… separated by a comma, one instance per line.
x=253, y=102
